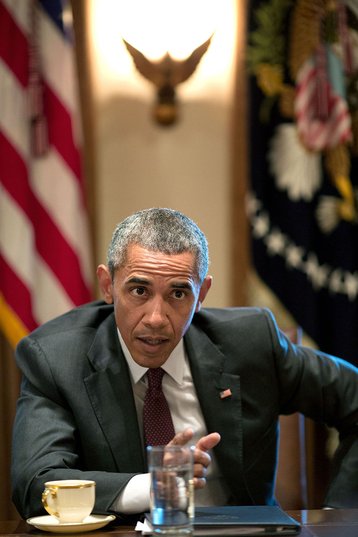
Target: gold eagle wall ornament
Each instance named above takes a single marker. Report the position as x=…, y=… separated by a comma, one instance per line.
x=166, y=74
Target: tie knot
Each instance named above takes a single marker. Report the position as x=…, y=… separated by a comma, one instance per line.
x=155, y=377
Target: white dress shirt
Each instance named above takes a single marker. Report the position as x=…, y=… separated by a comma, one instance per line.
x=179, y=390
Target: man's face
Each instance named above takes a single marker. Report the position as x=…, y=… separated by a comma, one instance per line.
x=155, y=297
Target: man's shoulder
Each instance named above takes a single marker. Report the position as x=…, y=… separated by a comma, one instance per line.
x=63, y=345
x=213, y=316
x=90, y=315
x=236, y=322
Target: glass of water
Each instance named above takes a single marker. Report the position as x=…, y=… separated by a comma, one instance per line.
x=172, y=489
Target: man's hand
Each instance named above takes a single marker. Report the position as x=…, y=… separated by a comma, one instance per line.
x=202, y=458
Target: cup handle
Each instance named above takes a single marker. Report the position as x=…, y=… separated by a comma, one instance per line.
x=48, y=508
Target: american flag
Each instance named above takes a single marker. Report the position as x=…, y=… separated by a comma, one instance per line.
x=45, y=264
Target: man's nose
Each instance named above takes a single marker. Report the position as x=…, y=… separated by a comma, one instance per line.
x=156, y=314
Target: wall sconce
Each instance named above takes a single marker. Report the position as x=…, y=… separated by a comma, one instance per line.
x=166, y=73
x=166, y=40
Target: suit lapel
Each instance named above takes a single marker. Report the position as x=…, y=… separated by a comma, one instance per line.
x=109, y=391
x=219, y=394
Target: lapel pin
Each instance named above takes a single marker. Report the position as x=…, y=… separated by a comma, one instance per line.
x=225, y=393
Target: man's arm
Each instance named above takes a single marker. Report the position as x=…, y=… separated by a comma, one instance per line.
x=55, y=436
x=327, y=392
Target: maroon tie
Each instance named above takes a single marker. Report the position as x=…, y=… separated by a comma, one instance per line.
x=157, y=420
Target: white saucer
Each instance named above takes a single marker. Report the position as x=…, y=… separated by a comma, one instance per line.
x=50, y=523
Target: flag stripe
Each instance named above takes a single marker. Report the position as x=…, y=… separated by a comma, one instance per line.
x=17, y=294
x=59, y=121
x=58, y=74
x=44, y=240
x=17, y=58
x=20, y=232
x=62, y=260
x=13, y=115
x=19, y=12
x=29, y=268
x=44, y=308
x=70, y=216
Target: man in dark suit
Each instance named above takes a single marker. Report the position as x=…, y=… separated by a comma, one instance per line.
x=229, y=374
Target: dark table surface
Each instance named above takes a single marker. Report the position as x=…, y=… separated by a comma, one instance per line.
x=315, y=523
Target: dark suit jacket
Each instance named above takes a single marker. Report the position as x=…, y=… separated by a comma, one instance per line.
x=76, y=415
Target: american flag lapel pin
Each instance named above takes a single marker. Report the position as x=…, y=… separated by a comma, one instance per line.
x=225, y=393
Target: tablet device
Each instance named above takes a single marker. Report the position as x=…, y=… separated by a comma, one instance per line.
x=244, y=520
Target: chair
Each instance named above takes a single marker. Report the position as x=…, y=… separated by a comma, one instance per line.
x=291, y=483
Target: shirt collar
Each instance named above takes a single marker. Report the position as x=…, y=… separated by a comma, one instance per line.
x=174, y=366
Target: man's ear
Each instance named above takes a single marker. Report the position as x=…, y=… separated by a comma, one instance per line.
x=204, y=289
x=105, y=283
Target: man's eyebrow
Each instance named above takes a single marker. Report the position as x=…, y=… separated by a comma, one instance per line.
x=182, y=285
x=138, y=280
x=144, y=281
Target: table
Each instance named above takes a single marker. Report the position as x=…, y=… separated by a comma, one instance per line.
x=315, y=523
x=327, y=523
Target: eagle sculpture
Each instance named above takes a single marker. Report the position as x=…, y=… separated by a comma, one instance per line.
x=166, y=74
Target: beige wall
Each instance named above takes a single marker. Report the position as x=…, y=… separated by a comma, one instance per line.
x=185, y=166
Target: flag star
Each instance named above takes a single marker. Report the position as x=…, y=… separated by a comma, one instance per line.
x=276, y=242
x=311, y=264
x=261, y=225
x=294, y=255
x=253, y=205
x=316, y=273
x=350, y=285
x=319, y=278
x=335, y=284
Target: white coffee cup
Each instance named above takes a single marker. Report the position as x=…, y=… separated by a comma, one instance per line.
x=69, y=500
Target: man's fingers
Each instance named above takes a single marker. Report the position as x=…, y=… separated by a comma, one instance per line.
x=202, y=458
x=200, y=470
x=199, y=482
x=182, y=438
x=205, y=443
x=208, y=442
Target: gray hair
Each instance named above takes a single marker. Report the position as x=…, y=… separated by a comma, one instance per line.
x=159, y=230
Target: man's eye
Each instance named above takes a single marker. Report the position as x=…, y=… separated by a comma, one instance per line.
x=138, y=291
x=178, y=294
